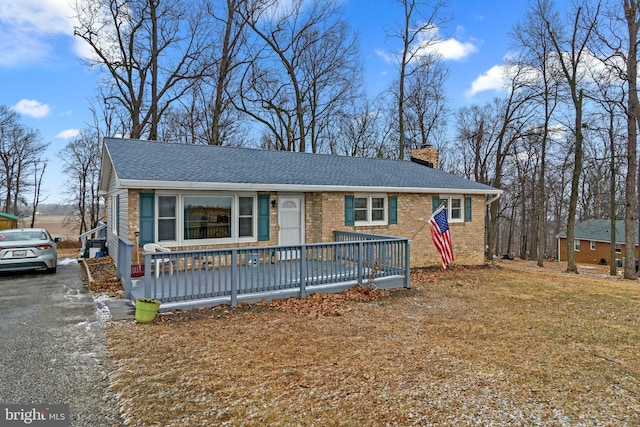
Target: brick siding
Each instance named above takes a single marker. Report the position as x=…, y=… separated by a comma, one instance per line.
x=427, y=154
x=588, y=256
x=324, y=213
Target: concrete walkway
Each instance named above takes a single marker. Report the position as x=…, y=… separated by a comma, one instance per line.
x=121, y=309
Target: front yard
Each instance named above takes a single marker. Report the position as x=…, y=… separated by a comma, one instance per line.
x=488, y=346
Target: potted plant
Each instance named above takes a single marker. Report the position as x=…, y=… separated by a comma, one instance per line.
x=146, y=309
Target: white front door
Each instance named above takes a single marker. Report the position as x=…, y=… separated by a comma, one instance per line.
x=291, y=222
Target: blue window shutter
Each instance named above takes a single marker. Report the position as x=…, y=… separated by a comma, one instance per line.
x=264, y=232
x=393, y=210
x=467, y=209
x=147, y=218
x=349, y=210
x=436, y=203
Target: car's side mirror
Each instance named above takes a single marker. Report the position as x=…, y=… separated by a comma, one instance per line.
x=57, y=239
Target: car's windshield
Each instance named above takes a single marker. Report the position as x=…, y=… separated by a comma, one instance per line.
x=16, y=236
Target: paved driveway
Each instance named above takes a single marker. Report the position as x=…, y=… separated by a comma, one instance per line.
x=52, y=345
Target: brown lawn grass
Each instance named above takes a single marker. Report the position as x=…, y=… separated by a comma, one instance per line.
x=489, y=346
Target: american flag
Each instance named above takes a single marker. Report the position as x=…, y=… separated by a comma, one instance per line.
x=440, y=235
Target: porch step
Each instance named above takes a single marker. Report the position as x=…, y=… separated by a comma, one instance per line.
x=121, y=309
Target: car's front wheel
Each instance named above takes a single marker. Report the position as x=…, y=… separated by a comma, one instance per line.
x=52, y=270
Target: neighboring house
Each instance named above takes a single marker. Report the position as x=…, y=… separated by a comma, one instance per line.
x=592, y=242
x=8, y=221
x=196, y=196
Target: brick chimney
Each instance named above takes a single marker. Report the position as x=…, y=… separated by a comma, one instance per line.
x=426, y=155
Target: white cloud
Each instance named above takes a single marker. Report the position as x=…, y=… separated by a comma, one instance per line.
x=386, y=56
x=69, y=133
x=32, y=108
x=591, y=68
x=430, y=42
x=454, y=50
x=28, y=25
x=493, y=79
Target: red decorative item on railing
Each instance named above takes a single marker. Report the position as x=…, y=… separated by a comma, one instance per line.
x=137, y=270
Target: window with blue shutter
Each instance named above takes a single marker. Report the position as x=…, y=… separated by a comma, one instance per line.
x=147, y=218
x=264, y=203
x=467, y=209
x=349, y=210
x=436, y=203
x=393, y=210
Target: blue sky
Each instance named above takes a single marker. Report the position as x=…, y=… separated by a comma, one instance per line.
x=43, y=77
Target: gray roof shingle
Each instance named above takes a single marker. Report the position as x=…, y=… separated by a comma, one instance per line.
x=598, y=230
x=139, y=160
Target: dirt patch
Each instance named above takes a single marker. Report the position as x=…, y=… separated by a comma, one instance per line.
x=494, y=345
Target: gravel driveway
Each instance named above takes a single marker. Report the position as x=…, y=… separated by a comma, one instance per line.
x=52, y=345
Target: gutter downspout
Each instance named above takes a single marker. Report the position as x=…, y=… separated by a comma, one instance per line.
x=492, y=199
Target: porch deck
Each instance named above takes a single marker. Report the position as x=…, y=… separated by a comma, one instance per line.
x=210, y=286
x=202, y=278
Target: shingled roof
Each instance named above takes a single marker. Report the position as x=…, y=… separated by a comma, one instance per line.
x=160, y=165
x=599, y=230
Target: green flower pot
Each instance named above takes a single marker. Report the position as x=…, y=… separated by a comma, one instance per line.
x=146, y=310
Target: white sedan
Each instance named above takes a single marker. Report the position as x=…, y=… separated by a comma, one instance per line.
x=28, y=249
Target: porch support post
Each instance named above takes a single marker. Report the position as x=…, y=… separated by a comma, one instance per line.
x=407, y=264
x=360, y=262
x=234, y=277
x=148, y=277
x=128, y=247
x=303, y=271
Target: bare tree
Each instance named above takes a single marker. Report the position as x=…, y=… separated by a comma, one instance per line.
x=530, y=37
x=632, y=16
x=304, y=67
x=363, y=133
x=617, y=48
x=418, y=34
x=39, y=167
x=81, y=158
x=20, y=149
x=425, y=108
x=151, y=51
x=331, y=78
x=492, y=134
x=571, y=53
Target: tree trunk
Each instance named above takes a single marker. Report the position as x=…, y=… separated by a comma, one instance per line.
x=575, y=185
x=153, y=131
x=633, y=111
x=612, y=194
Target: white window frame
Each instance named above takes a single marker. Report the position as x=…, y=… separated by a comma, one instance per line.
x=448, y=199
x=235, y=212
x=576, y=245
x=618, y=248
x=175, y=217
x=369, y=208
x=115, y=212
x=254, y=217
x=592, y=245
